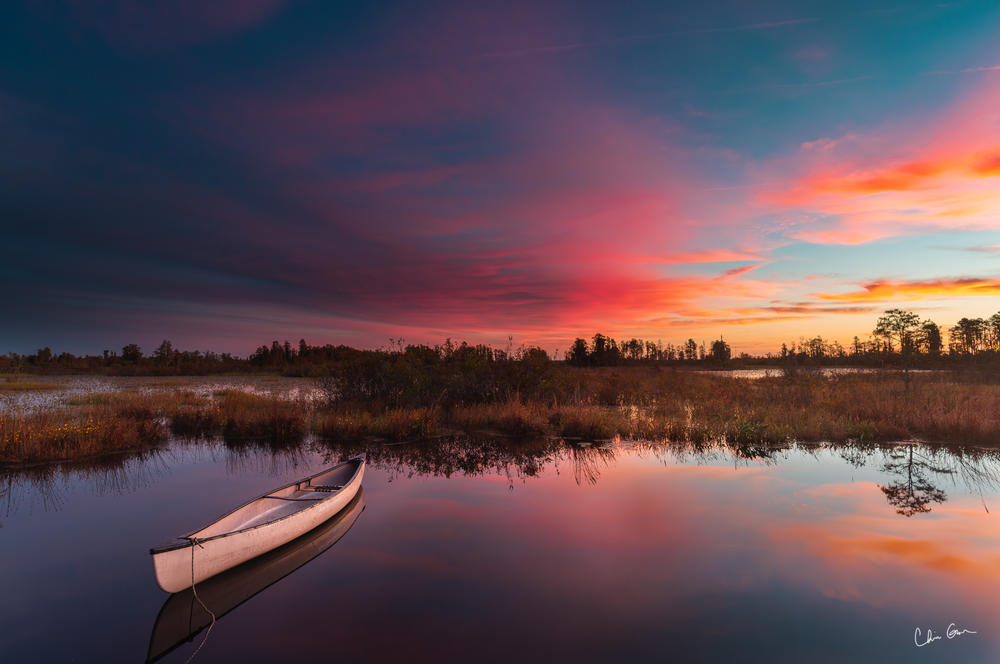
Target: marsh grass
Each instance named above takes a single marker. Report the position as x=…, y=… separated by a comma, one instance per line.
x=236, y=416
x=395, y=424
x=248, y=416
x=62, y=434
x=636, y=403
x=91, y=424
x=510, y=418
x=16, y=383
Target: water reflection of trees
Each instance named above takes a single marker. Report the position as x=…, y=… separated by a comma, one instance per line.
x=917, y=475
x=520, y=460
x=915, y=472
x=913, y=493
x=718, y=451
x=445, y=458
x=918, y=471
x=264, y=458
x=589, y=460
x=515, y=460
x=108, y=475
x=49, y=486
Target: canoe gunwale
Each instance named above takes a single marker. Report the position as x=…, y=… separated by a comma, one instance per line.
x=185, y=541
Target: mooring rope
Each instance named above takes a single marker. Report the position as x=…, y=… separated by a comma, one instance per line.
x=196, y=542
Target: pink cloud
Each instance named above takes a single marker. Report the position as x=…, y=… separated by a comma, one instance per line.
x=555, y=215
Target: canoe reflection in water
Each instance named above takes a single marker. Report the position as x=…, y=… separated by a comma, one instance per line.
x=181, y=618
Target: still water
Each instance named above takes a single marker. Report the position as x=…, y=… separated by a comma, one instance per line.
x=542, y=552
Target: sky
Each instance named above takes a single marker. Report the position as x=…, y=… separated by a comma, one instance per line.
x=223, y=174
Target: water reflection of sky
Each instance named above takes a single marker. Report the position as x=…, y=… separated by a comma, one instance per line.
x=633, y=553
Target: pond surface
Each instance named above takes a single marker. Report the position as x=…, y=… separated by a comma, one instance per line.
x=304, y=389
x=765, y=372
x=542, y=552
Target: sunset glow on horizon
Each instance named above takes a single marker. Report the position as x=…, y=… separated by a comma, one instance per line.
x=229, y=173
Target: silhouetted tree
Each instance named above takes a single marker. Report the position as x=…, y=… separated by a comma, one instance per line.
x=721, y=352
x=577, y=353
x=164, y=354
x=899, y=326
x=131, y=354
x=930, y=338
x=632, y=349
x=604, y=351
x=966, y=337
x=651, y=351
x=993, y=332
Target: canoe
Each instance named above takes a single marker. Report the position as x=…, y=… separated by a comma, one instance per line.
x=256, y=527
x=182, y=617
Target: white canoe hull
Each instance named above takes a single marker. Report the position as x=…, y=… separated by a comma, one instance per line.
x=260, y=526
x=182, y=617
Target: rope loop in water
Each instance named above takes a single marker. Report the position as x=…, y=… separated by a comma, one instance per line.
x=197, y=542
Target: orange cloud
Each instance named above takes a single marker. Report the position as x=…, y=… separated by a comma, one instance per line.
x=907, y=176
x=988, y=164
x=885, y=290
x=861, y=188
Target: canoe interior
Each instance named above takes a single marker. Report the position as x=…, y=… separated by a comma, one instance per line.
x=283, y=502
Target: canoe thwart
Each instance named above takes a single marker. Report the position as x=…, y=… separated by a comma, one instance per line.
x=283, y=498
x=319, y=488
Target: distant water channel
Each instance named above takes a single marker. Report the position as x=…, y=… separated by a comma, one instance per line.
x=511, y=553
x=68, y=387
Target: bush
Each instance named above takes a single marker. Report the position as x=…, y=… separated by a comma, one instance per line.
x=438, y=376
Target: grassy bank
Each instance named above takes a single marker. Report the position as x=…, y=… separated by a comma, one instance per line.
x=108, y=422
x=88, y=427
x=636, y=403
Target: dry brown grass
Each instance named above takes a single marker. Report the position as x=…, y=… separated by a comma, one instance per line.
x=261, y=418
x=510, y=418
x=97, y=423
x=16, y=384
x=635, y=403
x=858, y=407
x=71, y=433
x=397, y=424
x=236, y=415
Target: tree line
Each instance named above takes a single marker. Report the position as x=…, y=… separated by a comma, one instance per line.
x=902, y=337
x=603, y=350
x=899, y=337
